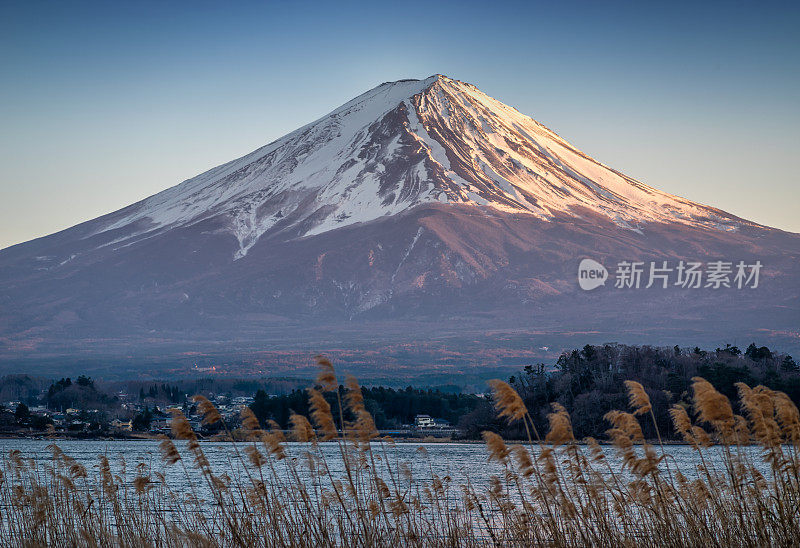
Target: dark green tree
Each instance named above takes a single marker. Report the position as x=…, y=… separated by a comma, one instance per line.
x=22, y=414
x=141, y=421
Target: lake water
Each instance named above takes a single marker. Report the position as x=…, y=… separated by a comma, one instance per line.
x=461, y=461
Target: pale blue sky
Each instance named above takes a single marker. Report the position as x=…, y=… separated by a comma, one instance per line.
x=105, y=103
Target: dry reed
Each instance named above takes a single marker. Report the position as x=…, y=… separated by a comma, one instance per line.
x=550, y=492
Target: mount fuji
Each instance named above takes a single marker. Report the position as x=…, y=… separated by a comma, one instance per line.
x=422, y=210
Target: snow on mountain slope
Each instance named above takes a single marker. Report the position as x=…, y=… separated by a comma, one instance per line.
x=420, y=210
x=399, y=145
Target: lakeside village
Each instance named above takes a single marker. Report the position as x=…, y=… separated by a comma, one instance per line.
x=587, y=382
x=77, y=409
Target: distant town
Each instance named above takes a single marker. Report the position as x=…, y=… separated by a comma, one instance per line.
x=79, y=408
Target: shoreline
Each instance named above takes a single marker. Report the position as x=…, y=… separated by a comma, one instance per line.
x=427, y=440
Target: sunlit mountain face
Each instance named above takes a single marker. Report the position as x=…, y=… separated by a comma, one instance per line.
x=420, y=211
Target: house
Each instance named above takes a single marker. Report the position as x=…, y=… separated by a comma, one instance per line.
x=122, y=426
x=160, y=425
x=242, y=400
x=424, y=421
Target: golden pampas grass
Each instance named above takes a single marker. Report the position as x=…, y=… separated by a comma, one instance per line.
x=108, y=484
x=141, y=484
x=249, y=419
x=701, y=436
x=742, y=430
x=318, y=495
x=200, y=460
x=682, y=424
x=639, y=400
x=711, y=406
x=66, y=482
x=181, y=429
x=301, y=428
x=560, y=426
x=274, y=443
x=626, y=423
x=354, y=398
x=365, y=427
x=254, y=456
x=326, y=377
x=595, y=450
x=273, y=440
x=497, y=447
x=275, y=430
x=207, y=409
x=382, y=489
x=169, y=453
x=547, y=458
x=321, y=414
x=787, y=415
x=759, y=408
x=680, y=419
x=507, y=400
x=523, y=458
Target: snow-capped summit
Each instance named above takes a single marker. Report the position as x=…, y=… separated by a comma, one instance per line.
x=400, y=145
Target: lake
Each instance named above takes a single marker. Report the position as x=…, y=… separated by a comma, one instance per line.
x=460, y=461
x=396, y=492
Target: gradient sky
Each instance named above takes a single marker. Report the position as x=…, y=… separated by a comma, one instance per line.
x=105, y=103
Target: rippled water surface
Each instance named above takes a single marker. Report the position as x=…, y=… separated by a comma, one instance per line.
x=461, y=461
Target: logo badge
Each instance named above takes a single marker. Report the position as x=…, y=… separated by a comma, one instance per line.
x=591, y=274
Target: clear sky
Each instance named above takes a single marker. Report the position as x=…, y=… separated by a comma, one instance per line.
x=105, y=103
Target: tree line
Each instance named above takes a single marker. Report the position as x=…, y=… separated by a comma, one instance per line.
x=390, y=408
x=588, y=382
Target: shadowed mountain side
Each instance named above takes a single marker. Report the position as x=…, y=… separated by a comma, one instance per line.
x=437, y=270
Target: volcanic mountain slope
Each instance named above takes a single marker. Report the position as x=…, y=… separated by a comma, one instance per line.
x=421, y=203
